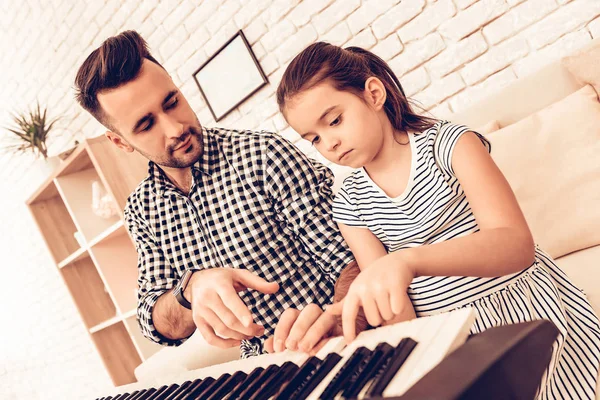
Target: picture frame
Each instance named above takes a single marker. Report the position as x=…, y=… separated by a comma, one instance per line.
x=230, y=76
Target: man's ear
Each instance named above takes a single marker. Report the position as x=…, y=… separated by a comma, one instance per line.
x=118, y=141
x=375, y=92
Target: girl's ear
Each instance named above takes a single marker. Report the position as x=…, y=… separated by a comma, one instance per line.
x=375, y=92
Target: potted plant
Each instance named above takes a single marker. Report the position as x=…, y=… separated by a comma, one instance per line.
x=32, y=130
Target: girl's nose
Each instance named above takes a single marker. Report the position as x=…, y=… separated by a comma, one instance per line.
x=333, y=143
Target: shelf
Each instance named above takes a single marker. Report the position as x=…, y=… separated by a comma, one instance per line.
x=106, y=324
x=55, y=224
x=87, y=289
x=116, y=259
x=76, y=191
x=109, y=233
x=118, y=353
x=79, y=254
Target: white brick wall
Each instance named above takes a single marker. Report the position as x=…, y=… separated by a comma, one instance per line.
x=447, y=53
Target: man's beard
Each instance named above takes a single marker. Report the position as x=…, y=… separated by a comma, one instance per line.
x=169, y=159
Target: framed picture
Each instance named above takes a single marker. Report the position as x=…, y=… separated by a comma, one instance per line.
x=229, y=76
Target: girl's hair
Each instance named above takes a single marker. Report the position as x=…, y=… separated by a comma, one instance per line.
x=348, y=69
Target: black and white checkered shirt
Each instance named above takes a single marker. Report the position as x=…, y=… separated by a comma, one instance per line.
x=256, y=202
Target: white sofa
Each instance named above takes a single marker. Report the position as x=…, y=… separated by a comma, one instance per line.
x=578, y=254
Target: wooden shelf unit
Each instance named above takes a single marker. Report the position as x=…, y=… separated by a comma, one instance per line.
x=99, y=270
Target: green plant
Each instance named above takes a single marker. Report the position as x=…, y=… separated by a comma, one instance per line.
x=33, y=130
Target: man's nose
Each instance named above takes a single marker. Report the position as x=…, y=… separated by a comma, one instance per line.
x=173, y=129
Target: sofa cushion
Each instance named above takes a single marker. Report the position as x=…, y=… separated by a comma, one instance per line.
x=551, y=160
x=584, y=63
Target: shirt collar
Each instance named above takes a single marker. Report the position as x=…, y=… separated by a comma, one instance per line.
x=206, y=164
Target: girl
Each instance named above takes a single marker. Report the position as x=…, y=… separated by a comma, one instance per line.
x=429, y=217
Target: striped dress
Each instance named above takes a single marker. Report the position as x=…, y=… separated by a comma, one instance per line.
x=432, y=209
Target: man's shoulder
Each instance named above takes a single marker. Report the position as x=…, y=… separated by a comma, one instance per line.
x=242, y=137
x=140, y=196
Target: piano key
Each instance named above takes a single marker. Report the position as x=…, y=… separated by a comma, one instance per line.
x=121, y=396
x=345, y=373
x=139, y=393
x=275, y=381
x=257, y=383
x=252, y=376
x=300, y=378
x=182, y=389
x=133, y=395
x=163, y=392
x=147, y=394
x=213, y=387
x=322, y=371
x=228, y=386
x=401, y=353
x=455, y=332
x=381, y=355
x=196, y=388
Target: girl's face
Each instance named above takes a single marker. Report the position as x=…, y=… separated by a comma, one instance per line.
x=345, y=129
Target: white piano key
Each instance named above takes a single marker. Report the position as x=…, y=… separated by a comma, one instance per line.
x=427, y=354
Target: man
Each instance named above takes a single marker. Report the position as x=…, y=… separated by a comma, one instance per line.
x=234, y=225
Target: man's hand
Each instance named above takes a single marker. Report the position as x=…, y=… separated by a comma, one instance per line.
x=307, y=330
x=218, y=312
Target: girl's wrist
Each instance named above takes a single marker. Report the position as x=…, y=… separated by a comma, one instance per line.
x=407, y=259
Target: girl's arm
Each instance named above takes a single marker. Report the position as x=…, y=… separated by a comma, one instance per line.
x=503, y=245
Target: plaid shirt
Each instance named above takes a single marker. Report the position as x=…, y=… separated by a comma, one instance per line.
x=256, y=202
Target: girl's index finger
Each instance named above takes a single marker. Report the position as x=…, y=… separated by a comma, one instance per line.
x=351, y=308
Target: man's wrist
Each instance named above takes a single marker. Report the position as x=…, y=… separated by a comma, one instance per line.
x=182, y=290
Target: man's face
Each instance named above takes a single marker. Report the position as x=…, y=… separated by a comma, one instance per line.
x=152, y=116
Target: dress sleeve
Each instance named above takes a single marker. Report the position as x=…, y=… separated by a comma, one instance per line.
x=344, y=210
x=445, y=142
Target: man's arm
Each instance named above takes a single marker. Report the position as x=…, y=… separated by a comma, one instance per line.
x=161, y=318
x=301, y=190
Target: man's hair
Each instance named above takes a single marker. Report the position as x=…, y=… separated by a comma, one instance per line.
x=117, y=61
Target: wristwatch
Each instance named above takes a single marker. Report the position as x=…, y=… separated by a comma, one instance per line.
x=180, y=288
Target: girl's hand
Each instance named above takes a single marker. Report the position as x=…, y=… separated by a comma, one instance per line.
x=307, y=330
x=381, y=290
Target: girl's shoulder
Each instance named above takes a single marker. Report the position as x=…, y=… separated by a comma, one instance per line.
x=352, y=182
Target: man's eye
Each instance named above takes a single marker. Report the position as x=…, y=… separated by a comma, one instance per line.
x=315, y=140
x=336, y=121
x=148, y=125
x=173, y=104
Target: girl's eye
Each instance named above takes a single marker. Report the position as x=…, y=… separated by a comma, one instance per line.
x=336, y=121
x=173, y=104
x=315, y=140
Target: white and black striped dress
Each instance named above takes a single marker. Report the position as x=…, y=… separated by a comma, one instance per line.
x=432, y=209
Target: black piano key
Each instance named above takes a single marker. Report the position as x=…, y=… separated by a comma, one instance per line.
x=197, y=387
x=252, y=376
x=274, y=382
x=214, y=386
x=401, y=353
x=133, y=395
x=157, y=393
x=138, y=394
x=258, y=382
x=228, y=386
x=146, y=394
x=181, y=389
x=381, y=355
x=322, y=371
x=300, y=378
x=345, y=373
